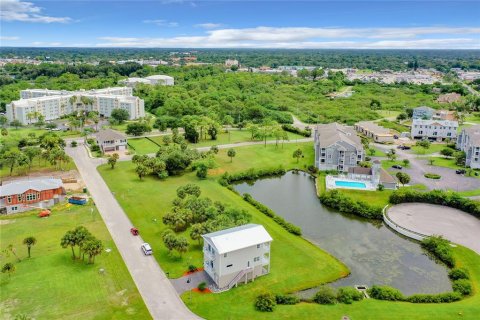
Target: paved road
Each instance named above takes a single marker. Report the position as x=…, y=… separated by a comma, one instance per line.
x=455, y=225
x=158, y=293
x=419, y=166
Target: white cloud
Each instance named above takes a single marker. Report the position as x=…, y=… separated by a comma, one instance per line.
x=46, y=44
x=16, y=10
x=162, y=23
x=208, y=25
x=269, y=37
x=6, y=38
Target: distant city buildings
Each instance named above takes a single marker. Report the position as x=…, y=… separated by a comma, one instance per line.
x=469, y=142
x=420, y=76
x=434, y=129
x=53, y=104
x=231, y=62
x=150, y=80
x=337, y=147
x=466, y=75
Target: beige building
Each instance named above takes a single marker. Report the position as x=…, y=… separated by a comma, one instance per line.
x=53, y=104
x=235, y=255
x=109, y=140
x=372, y=130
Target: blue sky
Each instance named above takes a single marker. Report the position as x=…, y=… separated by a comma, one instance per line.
x=241, y=24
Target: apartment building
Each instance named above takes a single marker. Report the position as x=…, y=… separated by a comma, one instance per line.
x=434, y=129
x=469, y=142
x=337, y=147
x=150, y=80
x=53, y=104
x=372, y=130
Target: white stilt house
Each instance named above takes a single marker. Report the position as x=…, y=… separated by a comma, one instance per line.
x=236, y=255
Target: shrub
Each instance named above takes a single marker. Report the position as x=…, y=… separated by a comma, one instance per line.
x=462, y=286
x=434, y=298
x=73, y=144
x=385, y=293
x=91, y=141
x=290, y=227
x=458, y=273
x=192, y=268
x=290, y=128
x=337, y=200
x=286, y=299
x=440, y=248
x=325, y=295
x=432, y=176
x=380, y=187
x=94, y=148
x=348, y=295
x=265, y=302
x=202, y=286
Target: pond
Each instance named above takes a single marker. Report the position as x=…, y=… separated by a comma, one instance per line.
x=374, y=253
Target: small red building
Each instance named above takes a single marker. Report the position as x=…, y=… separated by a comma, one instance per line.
x=24, y=195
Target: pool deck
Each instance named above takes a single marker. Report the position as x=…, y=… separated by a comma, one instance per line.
x=455, y=225
x=330, y=183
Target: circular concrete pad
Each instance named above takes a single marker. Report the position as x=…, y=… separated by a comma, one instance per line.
x=454, y=225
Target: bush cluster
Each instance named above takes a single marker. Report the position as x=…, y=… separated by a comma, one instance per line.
x=459, y=273
x=462, y=286
x=250, y=174
x=449, y=199
x=434, y=298
x=265, y=302
x=288, y=127
x=440, y=248
x=286, y=299
x=290, y=227
x=348, y=294
x=385, y=293
x=337, y=200
x=327, y=295
x=432, y=176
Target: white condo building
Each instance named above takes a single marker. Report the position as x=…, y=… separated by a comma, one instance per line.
x=434, y=129
x=159, y=79
x=237, y=254
x=53, y=104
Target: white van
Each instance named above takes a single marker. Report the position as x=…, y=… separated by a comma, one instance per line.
x=147, y=250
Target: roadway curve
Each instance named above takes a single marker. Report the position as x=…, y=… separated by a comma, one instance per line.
x=158, y=293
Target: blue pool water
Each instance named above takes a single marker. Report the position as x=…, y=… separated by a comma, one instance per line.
x=350, y=184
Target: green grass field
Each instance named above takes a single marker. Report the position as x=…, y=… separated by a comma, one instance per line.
x=434, y=148
x=388, y=114
x=50, y=285
x=296, y=263
x=447, y=163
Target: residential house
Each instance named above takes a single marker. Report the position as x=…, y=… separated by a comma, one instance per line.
x=150, y=80
x=469, y=142
x=449, y=98
x=109, y=140
x=444, y=115
x=337, y=147
x=374, y=131
x=237, y=254
x=434, y=129
x=423, y=112
x=23, y=195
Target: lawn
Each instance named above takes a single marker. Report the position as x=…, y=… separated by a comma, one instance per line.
x=146, y=146
x=378, y=153
x=38, y=165
x=388, y=114
x=50, y=285
x=15, y=135
x=394, y=126
x=444, y=162
x=296, y=263
x=434, y=148
x=474, y=118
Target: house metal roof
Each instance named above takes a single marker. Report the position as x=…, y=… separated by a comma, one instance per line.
x=237, y=238
x=331, y=133
x=19, y=187
x=109, y=134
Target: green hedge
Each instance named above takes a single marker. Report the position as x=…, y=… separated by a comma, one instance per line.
x=449, y=199
x=290, y=128
x=265, y=302
x=440, y=248
x=250, y=174
x=434, y=298
x=286, y=299
x=290, y=227
x=337, y=200
x=385, y=293
x=432, y=176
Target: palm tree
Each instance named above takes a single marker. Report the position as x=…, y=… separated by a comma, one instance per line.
x=93, y=247
x=29, y=242
x=11, y=249
x=68, y=240
x=8, y=268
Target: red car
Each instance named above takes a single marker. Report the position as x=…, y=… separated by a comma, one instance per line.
x=44, y=213
x=134, y=231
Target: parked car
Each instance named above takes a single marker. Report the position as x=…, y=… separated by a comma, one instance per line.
x=460, y=171
x=404, y=147
x=147, y=250
x=397, y=166
x=134, y=231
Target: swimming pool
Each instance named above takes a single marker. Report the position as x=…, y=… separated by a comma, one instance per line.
x=350, y=184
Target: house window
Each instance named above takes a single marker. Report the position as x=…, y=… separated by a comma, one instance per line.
x=31, y=196
x=19, y=198
x=256, y=259
x=224, y=255
x=258, y=246
x=229, y=265
x=9, y=199
x=14, y=208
